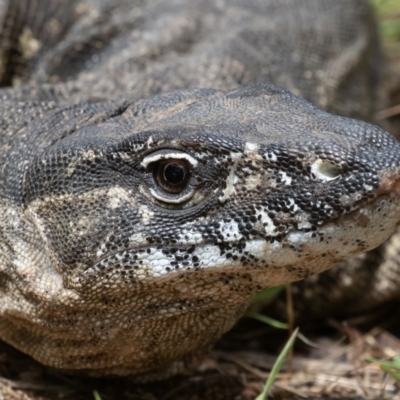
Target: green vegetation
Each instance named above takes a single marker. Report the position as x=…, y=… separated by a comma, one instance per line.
x=264, y=298
x=277, y=366
x=267, y=295
x=268, y=320
x=392, y=367
x=388, y=12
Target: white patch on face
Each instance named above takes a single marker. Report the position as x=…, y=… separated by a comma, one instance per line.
x=101, y=251
x=149, y=141
x=231, y=179
x=190, y=237
x=114, y=202
x=230, y=231
x=235, y=157
x=293, y=204
x=268, y=224
x=297, y=237
x=157, y=262
x=89, y=155
x=252, y=181
x=145, y=213
x=304, y=224
x=251, y=147
x=116, y=195
x=286, y=179
x=251, y=150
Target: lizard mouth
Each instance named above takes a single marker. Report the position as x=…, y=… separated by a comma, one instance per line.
x=297, y=255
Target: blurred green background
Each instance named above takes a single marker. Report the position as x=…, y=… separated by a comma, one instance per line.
x=388, y=12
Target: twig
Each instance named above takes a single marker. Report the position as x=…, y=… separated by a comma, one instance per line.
x=388, y=112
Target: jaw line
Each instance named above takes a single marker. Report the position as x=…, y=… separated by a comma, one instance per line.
x=334, y=241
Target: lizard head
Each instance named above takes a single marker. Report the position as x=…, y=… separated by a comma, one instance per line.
x=252, y=178
x=170, y=213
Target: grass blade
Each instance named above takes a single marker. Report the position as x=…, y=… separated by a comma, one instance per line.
x=96, y=395
x=277, y=366
x=392, y=368
x=268, y=320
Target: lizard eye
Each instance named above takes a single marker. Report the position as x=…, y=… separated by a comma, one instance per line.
x=171, y=175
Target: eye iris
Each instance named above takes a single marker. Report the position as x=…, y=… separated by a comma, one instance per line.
x=174, y=174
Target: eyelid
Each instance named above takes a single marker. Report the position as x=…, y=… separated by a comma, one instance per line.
x=163, y=156
x=178, y=200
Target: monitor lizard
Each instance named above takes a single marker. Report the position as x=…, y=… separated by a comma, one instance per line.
x=153, y=178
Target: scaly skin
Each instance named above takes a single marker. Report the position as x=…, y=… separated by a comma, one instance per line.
x=114, y=262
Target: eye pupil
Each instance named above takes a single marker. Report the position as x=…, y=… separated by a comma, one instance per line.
x=174, y=174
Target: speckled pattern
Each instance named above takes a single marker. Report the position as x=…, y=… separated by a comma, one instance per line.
x=135, y=230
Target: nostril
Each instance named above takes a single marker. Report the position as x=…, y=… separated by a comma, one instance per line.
x=325, y=170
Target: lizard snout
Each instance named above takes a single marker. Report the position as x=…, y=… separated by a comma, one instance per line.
x=390, y=182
